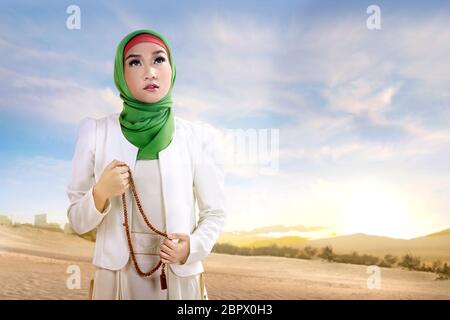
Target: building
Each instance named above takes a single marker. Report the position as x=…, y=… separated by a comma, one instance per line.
x=5, y=221
x=40, y=220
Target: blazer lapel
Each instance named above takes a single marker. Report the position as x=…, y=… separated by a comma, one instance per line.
x=169, y=164
x=168, y=171
x=127, y=152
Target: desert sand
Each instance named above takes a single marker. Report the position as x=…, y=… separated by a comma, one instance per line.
x=34, y=263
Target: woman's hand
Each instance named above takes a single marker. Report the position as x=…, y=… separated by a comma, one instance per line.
x=115, y=179
x=172, y=251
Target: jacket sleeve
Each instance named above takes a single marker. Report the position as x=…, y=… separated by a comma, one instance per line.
x=82, y=214
x=209, y=180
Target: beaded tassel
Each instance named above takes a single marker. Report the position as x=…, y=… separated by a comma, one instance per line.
x=130, y=244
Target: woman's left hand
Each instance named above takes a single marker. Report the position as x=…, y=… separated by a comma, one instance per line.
x=173, y=252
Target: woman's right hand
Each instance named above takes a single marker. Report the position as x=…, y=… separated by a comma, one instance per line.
x=115, y=179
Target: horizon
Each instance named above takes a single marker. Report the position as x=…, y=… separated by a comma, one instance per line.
x=288, y=233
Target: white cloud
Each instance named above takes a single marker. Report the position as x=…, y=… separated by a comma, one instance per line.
x=44, y=56
x=59, y=100
x=231, y=65
x=361, y=97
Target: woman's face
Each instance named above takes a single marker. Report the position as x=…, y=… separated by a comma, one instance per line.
x=147, y=63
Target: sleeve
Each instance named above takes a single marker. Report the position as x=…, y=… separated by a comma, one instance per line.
x=209, y=180
x=82, y=214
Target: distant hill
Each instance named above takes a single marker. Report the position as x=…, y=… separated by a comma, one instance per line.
x=262, y=236
x=282, y=241
x=281, y=228
x=445, y=232
x=430, y=247
x=251, y=240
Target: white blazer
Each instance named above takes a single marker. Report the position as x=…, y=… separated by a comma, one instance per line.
x=191, y=170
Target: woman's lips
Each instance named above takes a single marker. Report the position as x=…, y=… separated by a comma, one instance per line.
x=151, y=88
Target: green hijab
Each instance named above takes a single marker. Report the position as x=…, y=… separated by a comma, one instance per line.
x=148, y=126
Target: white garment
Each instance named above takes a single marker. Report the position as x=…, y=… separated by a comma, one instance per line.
x=192, y=173
x=126, y=283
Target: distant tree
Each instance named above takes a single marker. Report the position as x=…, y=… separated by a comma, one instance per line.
x=410, y=262
x=446, y=269
x=327, y=253
x=437, y=265
x=369, y=260
x=225, y=248
x=390, y=260
x=310, y=251
x=425, y=267
x=288, y=252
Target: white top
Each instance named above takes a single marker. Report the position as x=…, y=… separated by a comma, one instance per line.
x=126, y=283
x=147, y=181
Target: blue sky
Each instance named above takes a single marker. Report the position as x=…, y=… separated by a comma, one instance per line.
x=363, y=115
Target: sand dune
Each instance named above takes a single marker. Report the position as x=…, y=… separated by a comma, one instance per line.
x=34, y=262
x=40, y=242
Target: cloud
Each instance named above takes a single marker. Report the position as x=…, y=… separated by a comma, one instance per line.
x=420, y=143
x=39, y=56
x=361, y=97
x=229, y=65
x=60, y=100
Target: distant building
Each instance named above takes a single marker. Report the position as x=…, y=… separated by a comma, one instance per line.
x=40, y=220
x=5, y=221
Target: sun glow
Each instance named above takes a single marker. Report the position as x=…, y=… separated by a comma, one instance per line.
x=376, y=209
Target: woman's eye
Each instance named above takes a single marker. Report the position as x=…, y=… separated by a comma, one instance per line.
x=162, y=59
x=134, y=62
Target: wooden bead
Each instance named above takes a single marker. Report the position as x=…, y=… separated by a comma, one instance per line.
x=130, y=244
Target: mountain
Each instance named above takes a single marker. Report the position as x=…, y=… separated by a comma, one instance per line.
x=427, y=247
x=270, y=235
x=430, y=247
x=445, y=232
x=281, y=228
x=255, y=240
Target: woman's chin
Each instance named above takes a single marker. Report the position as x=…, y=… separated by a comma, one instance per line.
x=147, y=99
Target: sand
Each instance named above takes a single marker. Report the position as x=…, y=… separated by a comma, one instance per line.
x=34, y=265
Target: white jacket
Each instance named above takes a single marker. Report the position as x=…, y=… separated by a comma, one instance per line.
x=191, y=170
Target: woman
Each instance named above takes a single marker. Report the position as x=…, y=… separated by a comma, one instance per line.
x=171, y=162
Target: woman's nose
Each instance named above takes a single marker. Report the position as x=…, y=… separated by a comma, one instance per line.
x=150, y=73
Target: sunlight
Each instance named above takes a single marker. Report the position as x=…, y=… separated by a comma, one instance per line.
x=376, y=209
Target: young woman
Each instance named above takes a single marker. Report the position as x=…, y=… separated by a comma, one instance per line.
x=170, y=163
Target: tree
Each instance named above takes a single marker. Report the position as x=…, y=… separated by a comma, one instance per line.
x=446, y=269
x=437, y=265
x=310, y=251
x=327, y=253
x=410, y=262
x=389, y=260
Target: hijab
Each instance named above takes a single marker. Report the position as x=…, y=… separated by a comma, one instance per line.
x=148, y=126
